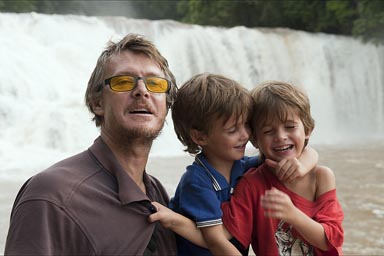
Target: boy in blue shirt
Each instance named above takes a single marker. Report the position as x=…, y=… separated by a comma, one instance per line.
x=210, y=117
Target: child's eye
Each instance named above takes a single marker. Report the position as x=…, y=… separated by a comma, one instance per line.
x=232, y=129
x=267, y=131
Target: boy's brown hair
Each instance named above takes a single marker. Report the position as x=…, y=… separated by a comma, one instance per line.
x=273, y=99
x=204, y=99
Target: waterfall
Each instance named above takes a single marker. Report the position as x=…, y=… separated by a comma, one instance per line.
x=46, y=61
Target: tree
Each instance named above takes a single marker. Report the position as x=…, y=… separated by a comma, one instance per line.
x=17, y=6
x=370, y=22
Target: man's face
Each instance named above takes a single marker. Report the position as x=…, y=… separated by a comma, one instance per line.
x=136, y=114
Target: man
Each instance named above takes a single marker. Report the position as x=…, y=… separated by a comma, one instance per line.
x=97, y=202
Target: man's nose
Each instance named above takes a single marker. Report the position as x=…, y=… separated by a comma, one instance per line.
x=140, y=89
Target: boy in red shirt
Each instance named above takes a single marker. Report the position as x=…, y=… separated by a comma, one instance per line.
x=279, y=218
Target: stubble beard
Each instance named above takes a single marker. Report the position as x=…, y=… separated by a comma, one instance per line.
x=143, y=134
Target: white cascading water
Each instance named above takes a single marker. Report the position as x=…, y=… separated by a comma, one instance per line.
x=46, y=61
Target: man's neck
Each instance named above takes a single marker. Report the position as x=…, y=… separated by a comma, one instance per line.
x=132, y=155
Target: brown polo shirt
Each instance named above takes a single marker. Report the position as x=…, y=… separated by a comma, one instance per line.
x=87, y=205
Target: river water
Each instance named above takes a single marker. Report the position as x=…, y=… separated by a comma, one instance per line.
x=359, y=171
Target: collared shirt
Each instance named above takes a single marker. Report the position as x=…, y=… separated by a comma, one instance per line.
x=200, y=193
x=87, y=205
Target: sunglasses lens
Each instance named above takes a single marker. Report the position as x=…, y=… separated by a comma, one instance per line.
x=122, y=83
x=128, y=83
x=157, y=84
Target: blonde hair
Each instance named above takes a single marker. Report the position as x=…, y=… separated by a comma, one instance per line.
x=204, y=99
x=131, y=42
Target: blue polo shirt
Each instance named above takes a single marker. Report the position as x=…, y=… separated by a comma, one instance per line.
x=199, y=195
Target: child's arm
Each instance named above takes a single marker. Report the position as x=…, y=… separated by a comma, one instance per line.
x=217, y=241
x=292, y=168
x=278, y=205
x=178, y=224
x=215, y=238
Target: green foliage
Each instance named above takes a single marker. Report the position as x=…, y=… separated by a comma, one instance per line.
x=370, y=22
x=305, y=15
x=156, y=10
x=360, y=18
x=340, y=16
x=42, y=6
x=205, y=12
x=17, y=6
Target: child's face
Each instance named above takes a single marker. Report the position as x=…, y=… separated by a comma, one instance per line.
x=227, y=142
x=282, y=139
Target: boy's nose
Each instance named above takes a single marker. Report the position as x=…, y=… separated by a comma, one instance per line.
x=281, y=134
x=245, y=132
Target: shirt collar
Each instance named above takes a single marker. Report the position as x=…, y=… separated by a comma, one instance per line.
x=236, y=171
x=127, y=189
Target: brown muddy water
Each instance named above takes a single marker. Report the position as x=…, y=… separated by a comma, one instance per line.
x=359, y=171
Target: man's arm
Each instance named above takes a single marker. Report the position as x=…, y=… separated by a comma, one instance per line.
x=41, y=228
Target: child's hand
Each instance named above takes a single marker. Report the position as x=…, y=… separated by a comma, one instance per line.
x=287, y=170
x=178, y=224
x=164, y=215
x=278, y=205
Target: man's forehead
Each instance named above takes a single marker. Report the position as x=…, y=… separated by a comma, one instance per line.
x=133, y=63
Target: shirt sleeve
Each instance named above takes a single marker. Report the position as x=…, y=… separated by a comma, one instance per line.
x=41, y=228
x=237, y=210
x=330, y=215
x=250, y=162
x=198, y=200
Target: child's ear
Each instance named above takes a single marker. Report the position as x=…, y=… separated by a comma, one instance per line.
x=198, y=137
x=308, y=134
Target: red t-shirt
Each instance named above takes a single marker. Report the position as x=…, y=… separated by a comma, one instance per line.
x=244, y=217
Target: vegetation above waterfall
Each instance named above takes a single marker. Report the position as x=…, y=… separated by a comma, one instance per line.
x=359, y=18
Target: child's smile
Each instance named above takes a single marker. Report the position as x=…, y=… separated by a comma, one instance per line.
x=282, y=139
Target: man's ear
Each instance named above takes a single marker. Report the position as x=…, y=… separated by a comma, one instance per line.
x=97, y=106
x=198, y=137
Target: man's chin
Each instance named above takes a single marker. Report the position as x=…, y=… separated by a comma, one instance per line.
x=143, y=133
